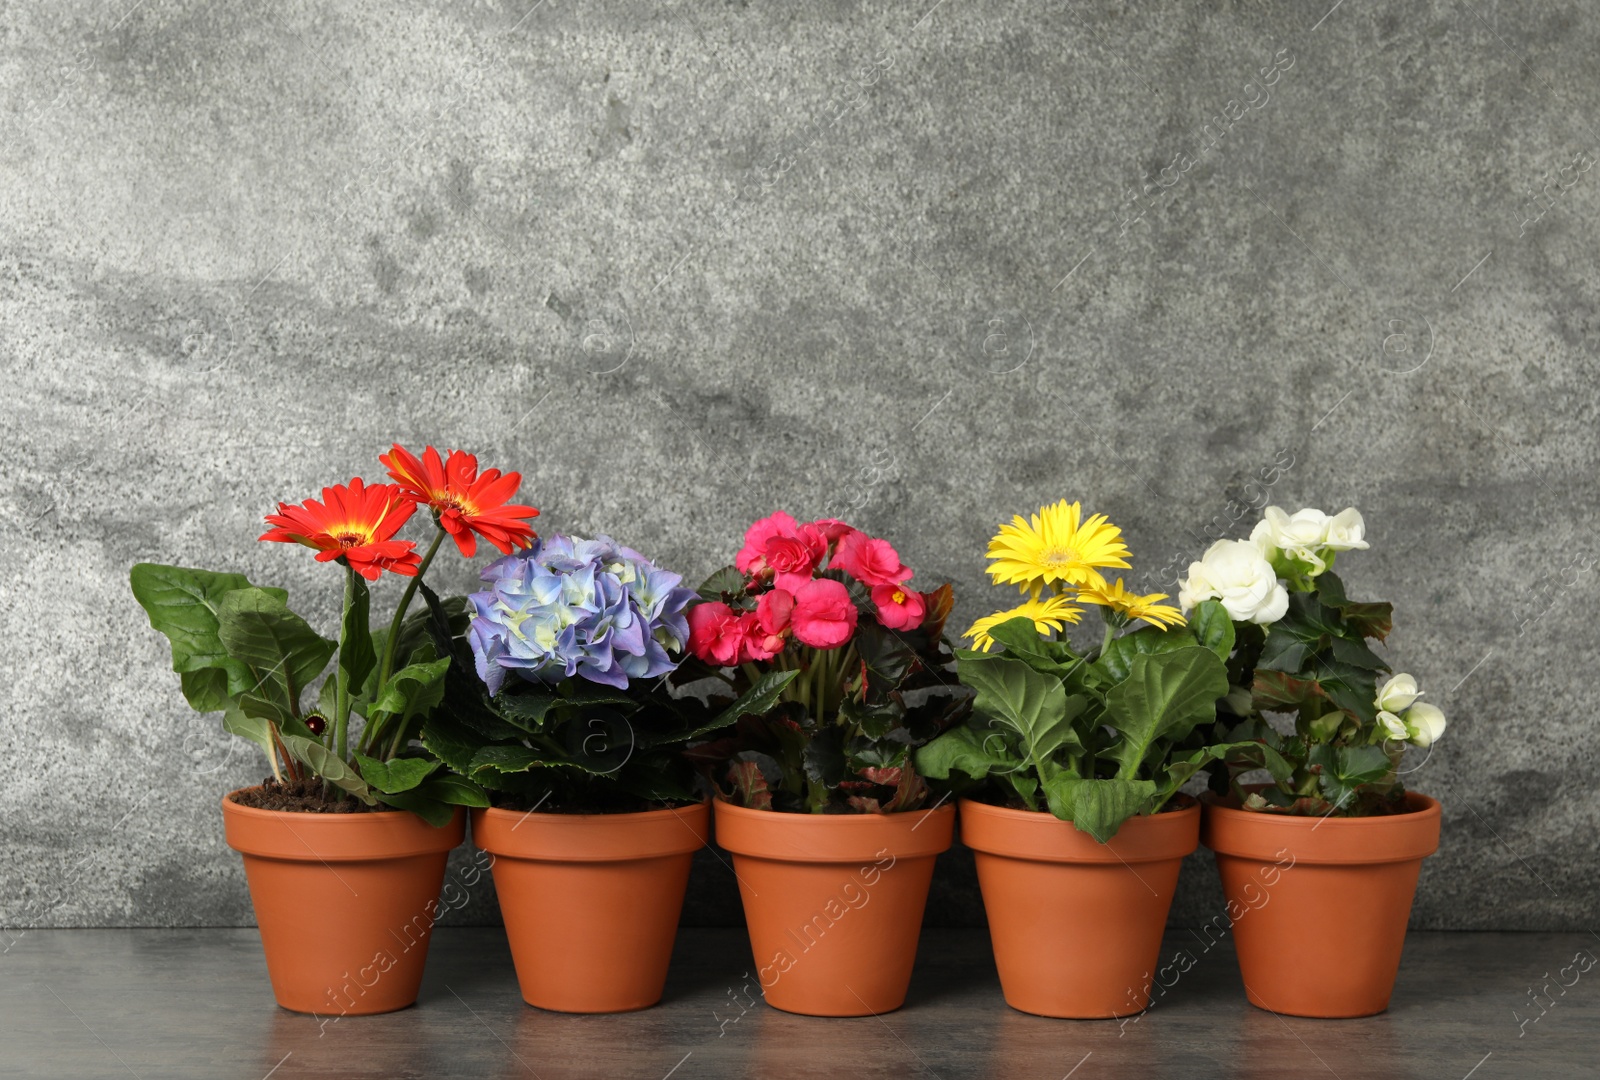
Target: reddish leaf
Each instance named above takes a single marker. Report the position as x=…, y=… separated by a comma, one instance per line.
x=749, y=786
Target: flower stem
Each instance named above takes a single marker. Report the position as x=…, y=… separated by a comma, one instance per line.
x=392, y=642
x=341, y=695
x=1105, y=642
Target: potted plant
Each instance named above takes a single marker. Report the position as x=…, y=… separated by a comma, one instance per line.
x=556, y=704
x=840, y=670
x=345, y=844
x=1334, y=839
x=1073, y=760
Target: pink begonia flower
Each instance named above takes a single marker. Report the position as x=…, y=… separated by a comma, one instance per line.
x=899, y=606
x=779, y=544
x=869, y=560
x=716, y=633
x=824, y=616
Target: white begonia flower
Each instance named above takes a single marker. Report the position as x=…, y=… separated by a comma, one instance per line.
x=1393, y=726
x=1237, y=574
x=1426, y=723
x=1346, y=531
x=1300, y=535
x=1398, y=693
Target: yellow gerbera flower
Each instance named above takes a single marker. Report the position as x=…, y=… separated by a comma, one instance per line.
x=1047, y=615
x=1057, y=545
x=1131, y=605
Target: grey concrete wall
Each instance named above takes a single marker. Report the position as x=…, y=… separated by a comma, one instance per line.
x=924, y=264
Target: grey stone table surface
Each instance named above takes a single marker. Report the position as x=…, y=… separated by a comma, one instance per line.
x=195, y=1003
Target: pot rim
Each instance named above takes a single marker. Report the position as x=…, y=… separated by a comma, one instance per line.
x=833, y=838
x=1040, y=836
x=1381, y=838
x=641, y=834
x=296, y=836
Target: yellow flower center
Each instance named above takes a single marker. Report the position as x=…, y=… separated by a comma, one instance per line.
x=898, y=597
x=1061, y=557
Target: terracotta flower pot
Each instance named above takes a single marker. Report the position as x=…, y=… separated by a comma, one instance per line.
x=834, y=902
x=591, y=901
x=345, y=902
x=1319, y=905
x=1044, y=883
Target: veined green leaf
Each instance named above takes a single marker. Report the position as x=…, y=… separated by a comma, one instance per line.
x=326, y=764
x=182, y=604
x=395, y=775
x=258, y=629
x=1164, y=696
x=1031, y=703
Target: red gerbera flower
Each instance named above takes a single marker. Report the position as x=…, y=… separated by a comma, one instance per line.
x=353, y=522
x=466, y=502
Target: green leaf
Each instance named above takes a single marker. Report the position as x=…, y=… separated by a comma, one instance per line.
x=1278, y=691
x=1368, y=620
x=889, y=658
x=1098, y=807
x=206, y=690
x=1032, y=704
x=823, y=757
x=1024, y=642
x=1249, y=754
x=450, y=741
x=414, y=689
x=966, y=750
x=1164, y=696
x=356, y=656
x=1117, y=661
x=529, y=708
x=257, y=628
x=1212, y=627
x=1351, y=688
x=1306, y=628
x=395, y=775
x=1357, y=654
x=182, y=604
x=326, y=764
x=1346, y=769
x=756, y=700
x=723, y=584
x=455, y=790
x=255, y=728
x=434, y=811
x=491, y=760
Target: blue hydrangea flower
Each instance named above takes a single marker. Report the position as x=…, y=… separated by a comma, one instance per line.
x=573, y=607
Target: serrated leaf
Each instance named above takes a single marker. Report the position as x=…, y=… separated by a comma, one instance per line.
x=327, y=765
x=754, y=701
x=395, y=775
x=450, y=741
x=490, y=760
x=529, y=708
